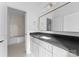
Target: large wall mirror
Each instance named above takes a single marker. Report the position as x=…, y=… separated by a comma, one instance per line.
x=54, y=19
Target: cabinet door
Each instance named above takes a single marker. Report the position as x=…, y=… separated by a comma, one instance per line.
x=34, y=47
x=43, y=52
x=59, y=52
x=46, y=46
x=45, y=49
x=40, y=48
x=31, y=46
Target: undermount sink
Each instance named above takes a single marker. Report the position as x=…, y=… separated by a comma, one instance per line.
x=47, y=36
x=43, y=36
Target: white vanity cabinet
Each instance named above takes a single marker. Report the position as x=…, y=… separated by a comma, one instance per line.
x=40, y=48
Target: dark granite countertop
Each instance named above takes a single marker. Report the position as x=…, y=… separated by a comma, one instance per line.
x=66, y=42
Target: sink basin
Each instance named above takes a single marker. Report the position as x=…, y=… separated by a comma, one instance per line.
x=41, y=35
x=45, y=37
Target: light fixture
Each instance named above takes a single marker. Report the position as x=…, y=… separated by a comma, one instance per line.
x=50, y=5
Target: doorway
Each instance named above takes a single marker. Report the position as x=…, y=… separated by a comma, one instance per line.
x=16, y=33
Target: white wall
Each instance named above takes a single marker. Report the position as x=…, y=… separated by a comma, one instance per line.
x=3, y=30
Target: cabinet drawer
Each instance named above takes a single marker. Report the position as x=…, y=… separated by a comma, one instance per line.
x=43, y=44
x=46, y=46
x=35, y=50
x=41, y=48
x=44, y=53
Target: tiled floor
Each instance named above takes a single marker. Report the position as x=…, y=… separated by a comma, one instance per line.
x=16, y=50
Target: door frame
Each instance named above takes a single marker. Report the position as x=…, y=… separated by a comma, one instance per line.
x=8, y=27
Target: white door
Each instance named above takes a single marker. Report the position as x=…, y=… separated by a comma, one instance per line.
x=3, y=30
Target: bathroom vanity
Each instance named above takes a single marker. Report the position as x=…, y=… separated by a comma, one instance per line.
x=55, y=44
